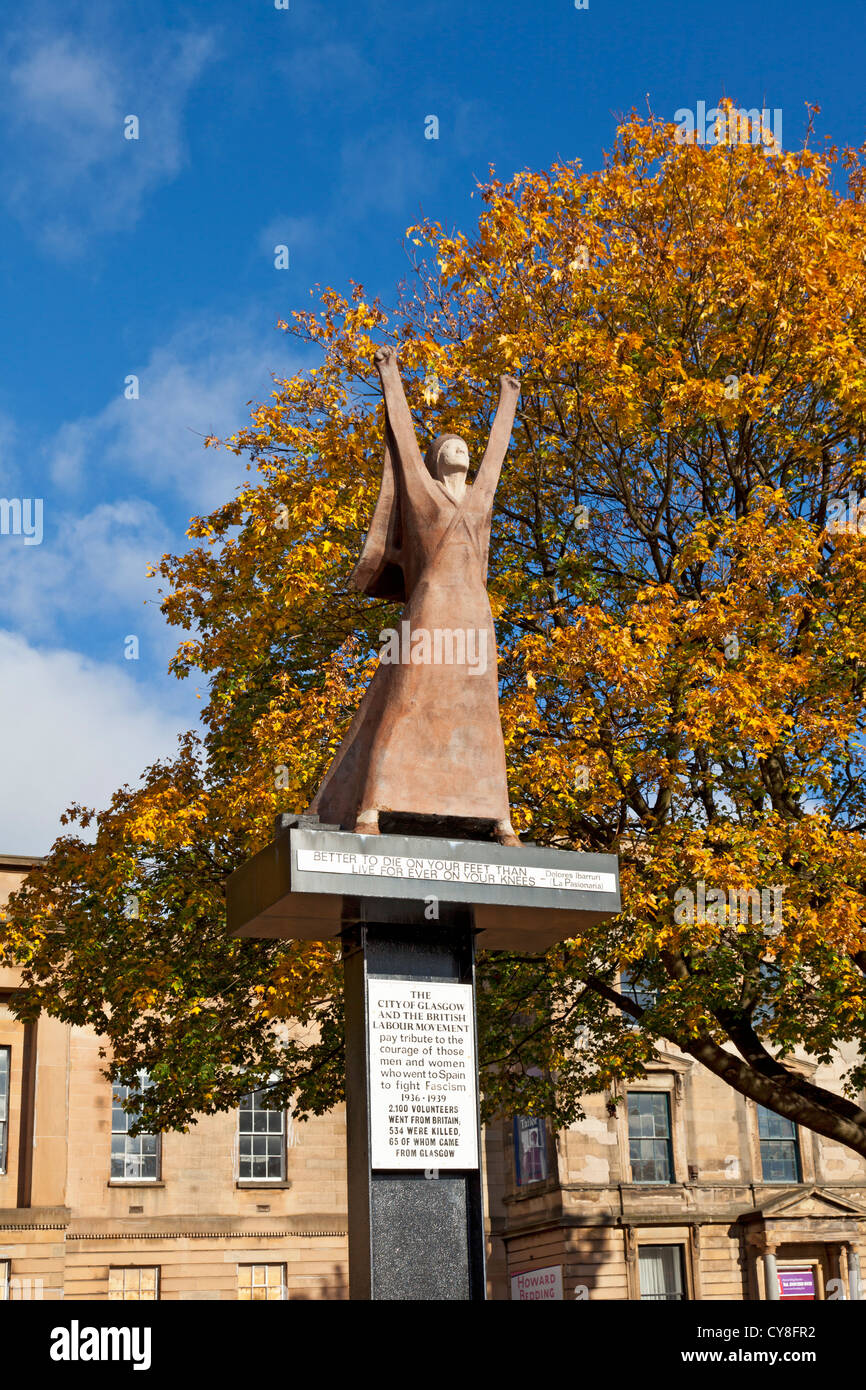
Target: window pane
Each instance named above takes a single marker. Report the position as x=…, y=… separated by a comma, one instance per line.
x=649, y=1130
x=4, y=1083
x=261, y=1139
x=661, y=1272
x=5, y=1068
x=134, y=1284
x=660, y=1114
x=779, y=1161
x=530, y=1149
x=262, y=1283
x=631, y=986
x=773, y=1126
x=780, y=1148
x=650, y=1161
x=131, y=1157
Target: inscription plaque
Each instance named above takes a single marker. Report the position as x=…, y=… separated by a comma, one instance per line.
x=455, y=871
x=423, y=1101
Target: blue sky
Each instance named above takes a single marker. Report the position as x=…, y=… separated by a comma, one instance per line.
x=155, y=257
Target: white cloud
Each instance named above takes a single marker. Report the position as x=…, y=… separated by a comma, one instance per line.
x=67, y=171
x=140, y=469
x=90, y=566
x=73, y=730
x=197, y=384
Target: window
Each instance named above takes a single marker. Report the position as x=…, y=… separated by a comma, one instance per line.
x=661, y=1273
x=132, y=1156
x=261, y=1139
x=649, y=1136
x=4, y=1280
x=780, y=1149
x=138, y=1283
x=530, y=1149
x=261, y=1283
x=5, y=1067
x=630, y=987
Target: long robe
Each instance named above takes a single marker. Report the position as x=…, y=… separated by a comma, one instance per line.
x=427, y=739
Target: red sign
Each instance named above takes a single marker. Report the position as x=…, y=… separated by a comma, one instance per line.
x=797, y=1283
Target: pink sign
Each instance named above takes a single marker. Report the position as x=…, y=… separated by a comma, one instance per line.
x=537, y=1284
x=797, y=1283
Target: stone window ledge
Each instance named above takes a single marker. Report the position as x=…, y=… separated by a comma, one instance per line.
x=632, y=1188
x=135, y=1182
x=262, y=1184
x=535, y=1189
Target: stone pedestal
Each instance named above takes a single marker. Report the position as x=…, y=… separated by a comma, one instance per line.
x=410, y=911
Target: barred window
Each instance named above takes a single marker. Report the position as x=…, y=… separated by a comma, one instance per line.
x=261, y=1139
x=649, y=1136
x=5, y=1068
x=134, y=1283
x=261, y=1283
x=780, y=1148
x=132, y=1156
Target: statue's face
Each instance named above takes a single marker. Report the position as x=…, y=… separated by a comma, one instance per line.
x=452, y=460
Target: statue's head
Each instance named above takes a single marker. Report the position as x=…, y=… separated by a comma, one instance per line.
x=448, y=458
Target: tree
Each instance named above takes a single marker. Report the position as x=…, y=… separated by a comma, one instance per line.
x=679, y=604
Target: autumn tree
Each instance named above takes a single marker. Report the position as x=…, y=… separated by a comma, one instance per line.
x=677, y=576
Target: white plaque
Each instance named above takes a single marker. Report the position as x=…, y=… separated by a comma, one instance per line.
x=423, y=1080
x=532, y=1285
x=326, y=861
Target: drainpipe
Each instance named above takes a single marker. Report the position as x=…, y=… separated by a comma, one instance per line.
x=28, y=1116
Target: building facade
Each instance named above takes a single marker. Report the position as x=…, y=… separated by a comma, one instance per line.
x=677, y=1188
x=245, y=1205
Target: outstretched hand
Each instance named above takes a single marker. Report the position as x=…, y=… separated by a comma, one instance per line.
x=385, y=357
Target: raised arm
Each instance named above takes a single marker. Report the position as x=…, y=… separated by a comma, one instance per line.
x=397, y=412
x=490, y=467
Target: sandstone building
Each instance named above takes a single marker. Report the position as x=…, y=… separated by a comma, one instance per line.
x=683, y=1190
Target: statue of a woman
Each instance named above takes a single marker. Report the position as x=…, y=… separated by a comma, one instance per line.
x=426, y=740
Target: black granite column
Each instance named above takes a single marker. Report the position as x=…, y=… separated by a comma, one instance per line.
x=412, y=1234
